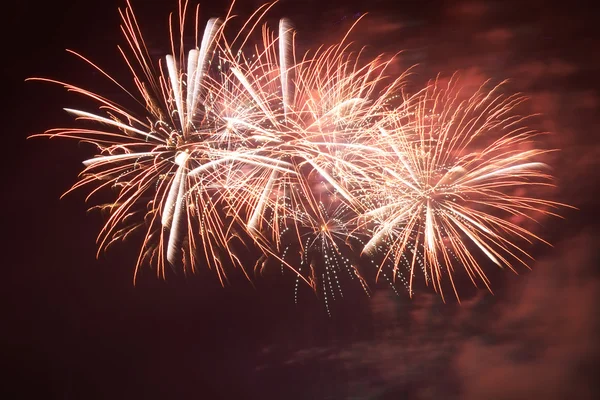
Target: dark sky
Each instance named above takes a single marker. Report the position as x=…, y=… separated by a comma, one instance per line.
x=76, y=328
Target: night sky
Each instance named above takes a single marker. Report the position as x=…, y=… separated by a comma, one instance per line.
x=76, y=328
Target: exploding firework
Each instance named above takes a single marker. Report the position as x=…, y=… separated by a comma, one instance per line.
x=172, y=166
x=222, y=136
x=454, y=183
x=320, y=240
x=313, y=160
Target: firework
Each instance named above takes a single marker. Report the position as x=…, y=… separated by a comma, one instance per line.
x=453, y=182
x=169, y=165
x=223, y=134
x=316, y=126
x=313, y=160
x=319, y=239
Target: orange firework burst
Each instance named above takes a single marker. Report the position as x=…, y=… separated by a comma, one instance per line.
x=227, y=128
x=451, y=183
x=235, y=135
x=169, y=165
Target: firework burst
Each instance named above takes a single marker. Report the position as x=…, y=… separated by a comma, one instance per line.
x=170, y=167
x=240, y=140
x=320, y=240
x=453, y=181
x=223, y=135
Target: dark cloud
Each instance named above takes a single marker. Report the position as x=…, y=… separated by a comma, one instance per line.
x=469, y=9
x=546, y=332
x=538, y=339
